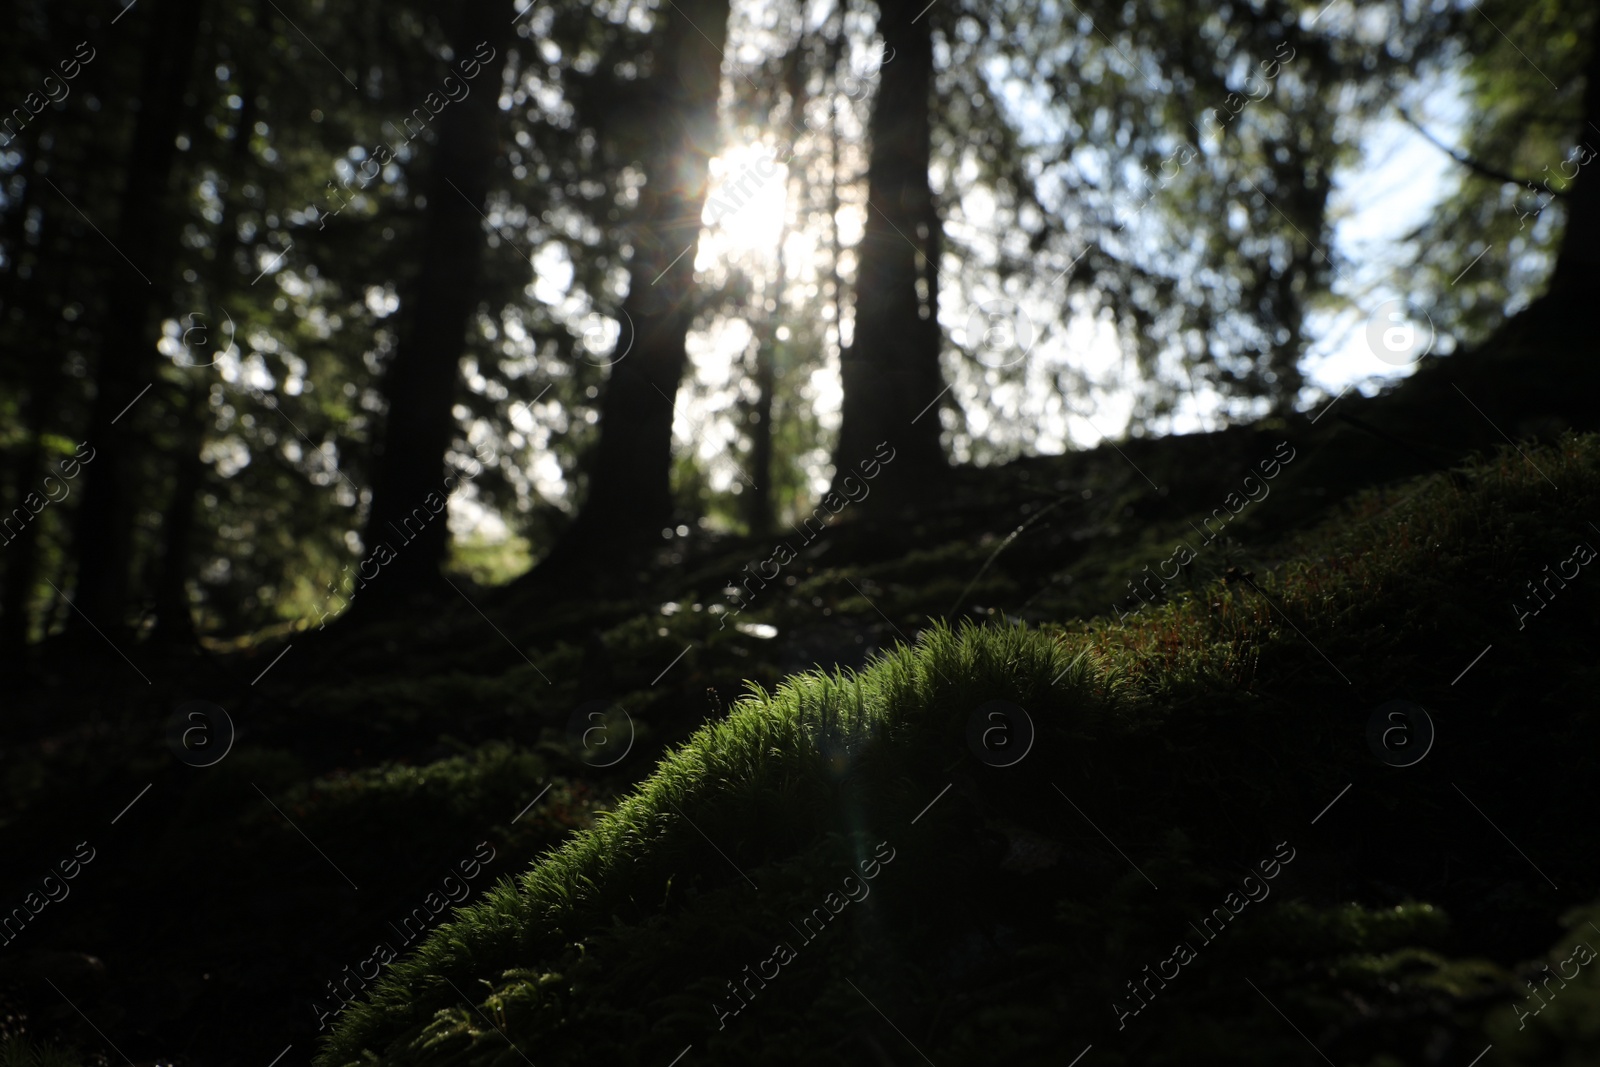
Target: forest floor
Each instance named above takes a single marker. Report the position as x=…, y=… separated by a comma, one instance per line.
x=690, y=796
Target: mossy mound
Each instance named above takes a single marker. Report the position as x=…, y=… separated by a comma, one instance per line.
x=1035, y=909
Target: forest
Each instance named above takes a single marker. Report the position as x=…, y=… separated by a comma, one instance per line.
x=877, y=532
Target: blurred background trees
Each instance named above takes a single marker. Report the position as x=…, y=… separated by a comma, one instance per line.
x=270, y=274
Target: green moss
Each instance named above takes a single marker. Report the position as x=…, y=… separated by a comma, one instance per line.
x=18, y=1050
x=1554, y=1013
x=1194, y=734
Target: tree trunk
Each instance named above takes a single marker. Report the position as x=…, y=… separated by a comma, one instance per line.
x=146, y=232
x=174, y=620
x=629, y=474
x=407, y=538
x=1577, y=269
x=759, y=509
x=758, y=499
x=890, y=373
x=21, y=550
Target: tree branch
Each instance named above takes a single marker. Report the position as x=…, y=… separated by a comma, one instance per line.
x=1477, y=166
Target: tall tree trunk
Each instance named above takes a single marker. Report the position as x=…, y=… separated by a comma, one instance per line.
x=758, y=499
x=144, y=230
x=21, y=551
x=629, y=474
x=834, y=53
x=174, y=621
x=407, y=537
x=890, y=373
x=1577, y=269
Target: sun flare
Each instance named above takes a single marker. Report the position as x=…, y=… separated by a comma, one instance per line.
x=747, y=201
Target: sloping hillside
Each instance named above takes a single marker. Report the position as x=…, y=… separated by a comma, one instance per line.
x=1198, y=851
x=371, y=760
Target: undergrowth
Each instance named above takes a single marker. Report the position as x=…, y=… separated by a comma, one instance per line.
x=1174, y=748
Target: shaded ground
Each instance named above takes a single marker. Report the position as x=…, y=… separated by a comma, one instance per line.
x=369, y=764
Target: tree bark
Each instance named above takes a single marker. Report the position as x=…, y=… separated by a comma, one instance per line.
x=21, y=552
x=759, y=509
x=127, y=357
x=407, y=537
x=758, y=498
x=629, y=494
x=174, y=625
x=1577, y=269
x=890, y=374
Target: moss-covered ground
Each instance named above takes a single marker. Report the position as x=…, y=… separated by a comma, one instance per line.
x=1178, y=757
x=668, y=792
